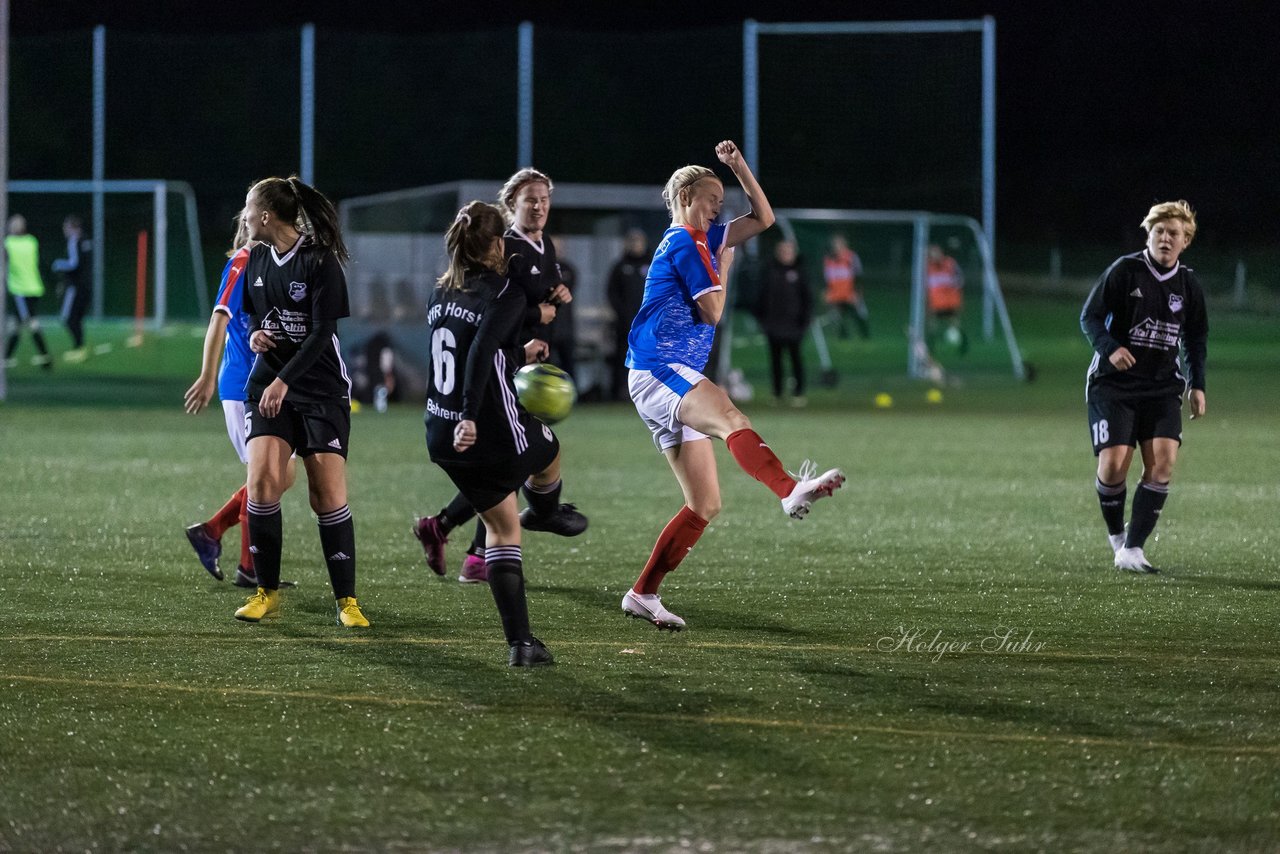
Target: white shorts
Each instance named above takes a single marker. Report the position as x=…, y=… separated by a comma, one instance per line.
x=657, y=396
x=233, y=411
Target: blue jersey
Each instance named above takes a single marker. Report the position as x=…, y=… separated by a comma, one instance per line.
x=237, y=358
x=668, y=329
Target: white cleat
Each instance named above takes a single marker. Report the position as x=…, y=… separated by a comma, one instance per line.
x=810, y=486
x=1133, y=560
x=1117, y=542
x=648, y=606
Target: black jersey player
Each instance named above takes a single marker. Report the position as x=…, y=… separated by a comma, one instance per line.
x=298, y=390
x=532, y=268
x=477, y=431
x=1144, y=309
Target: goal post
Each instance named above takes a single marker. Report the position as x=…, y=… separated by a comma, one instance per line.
x=159, y=191
x=902, y=82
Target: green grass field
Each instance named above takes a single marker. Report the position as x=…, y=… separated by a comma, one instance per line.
x=939, y=658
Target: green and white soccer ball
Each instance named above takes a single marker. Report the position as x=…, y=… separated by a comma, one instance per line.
x=546, y=391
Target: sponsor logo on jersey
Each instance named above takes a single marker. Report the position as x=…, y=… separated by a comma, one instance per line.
x=297, y=291
x=294, y=324
x=1175, y=303
x=257, y=283
x=535, y=271
x=1155, y=335
x=1135, y=293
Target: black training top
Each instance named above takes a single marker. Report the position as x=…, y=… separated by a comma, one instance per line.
x=297, y=299
x=1152, y=311
x=533, y=268
x=475, y=352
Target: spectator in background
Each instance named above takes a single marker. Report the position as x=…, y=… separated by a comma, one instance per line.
x=25, y=287
x=562, y=335
x=945, y=283
x=75, y=270
x=784, y=307
x=625, y=292
x=841, y=268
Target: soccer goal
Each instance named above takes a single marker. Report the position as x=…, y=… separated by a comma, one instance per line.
x=893, y=249
x=129, y=207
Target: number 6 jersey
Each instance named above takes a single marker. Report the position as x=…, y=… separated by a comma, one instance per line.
x=475, y=352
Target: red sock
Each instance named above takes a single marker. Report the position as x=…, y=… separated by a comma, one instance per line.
x=755, y=458
x=246, y=556
x=228, y=516
x=675, y=541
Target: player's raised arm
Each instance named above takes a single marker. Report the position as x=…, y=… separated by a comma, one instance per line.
x=760, y=217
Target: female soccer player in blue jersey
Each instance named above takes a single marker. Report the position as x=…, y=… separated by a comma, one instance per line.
x=225, y=363
x=684, y=299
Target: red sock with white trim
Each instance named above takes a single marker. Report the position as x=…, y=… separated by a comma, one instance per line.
x=756, y=459
x=681, y=534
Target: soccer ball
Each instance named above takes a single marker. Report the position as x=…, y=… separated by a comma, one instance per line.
x=546, y=391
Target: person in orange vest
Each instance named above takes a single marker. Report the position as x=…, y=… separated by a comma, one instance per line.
x=841, y=268
x=945, y=283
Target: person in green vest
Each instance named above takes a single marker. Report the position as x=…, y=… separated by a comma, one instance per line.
x=25, y=287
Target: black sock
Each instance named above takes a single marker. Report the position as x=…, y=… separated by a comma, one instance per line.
x=456, y=512
x=1148, y=501
x=338, y=539
x=506, y=580
x=39, y=339
x=478, y=541
x=543, y=500
x=12, y=345
x=264, y=533
x=1111, y=497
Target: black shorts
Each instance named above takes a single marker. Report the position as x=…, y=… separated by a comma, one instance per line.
x=308, y=428
x=1129, y=420
x=487, y=480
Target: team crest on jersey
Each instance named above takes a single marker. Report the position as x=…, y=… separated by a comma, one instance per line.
x=297, y=291
x=1175, y=303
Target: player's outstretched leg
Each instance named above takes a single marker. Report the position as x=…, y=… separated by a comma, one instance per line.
x=810, y=486
x=546, y=513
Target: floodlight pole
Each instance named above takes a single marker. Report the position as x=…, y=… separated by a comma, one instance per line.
x=751, y=93
x=524, y=106
x=307, y=164
x=989, y=159
x=99, y=164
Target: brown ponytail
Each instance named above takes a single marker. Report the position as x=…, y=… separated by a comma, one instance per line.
x=469, y=243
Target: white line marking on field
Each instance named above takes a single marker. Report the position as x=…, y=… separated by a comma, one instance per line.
x=561, y=712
